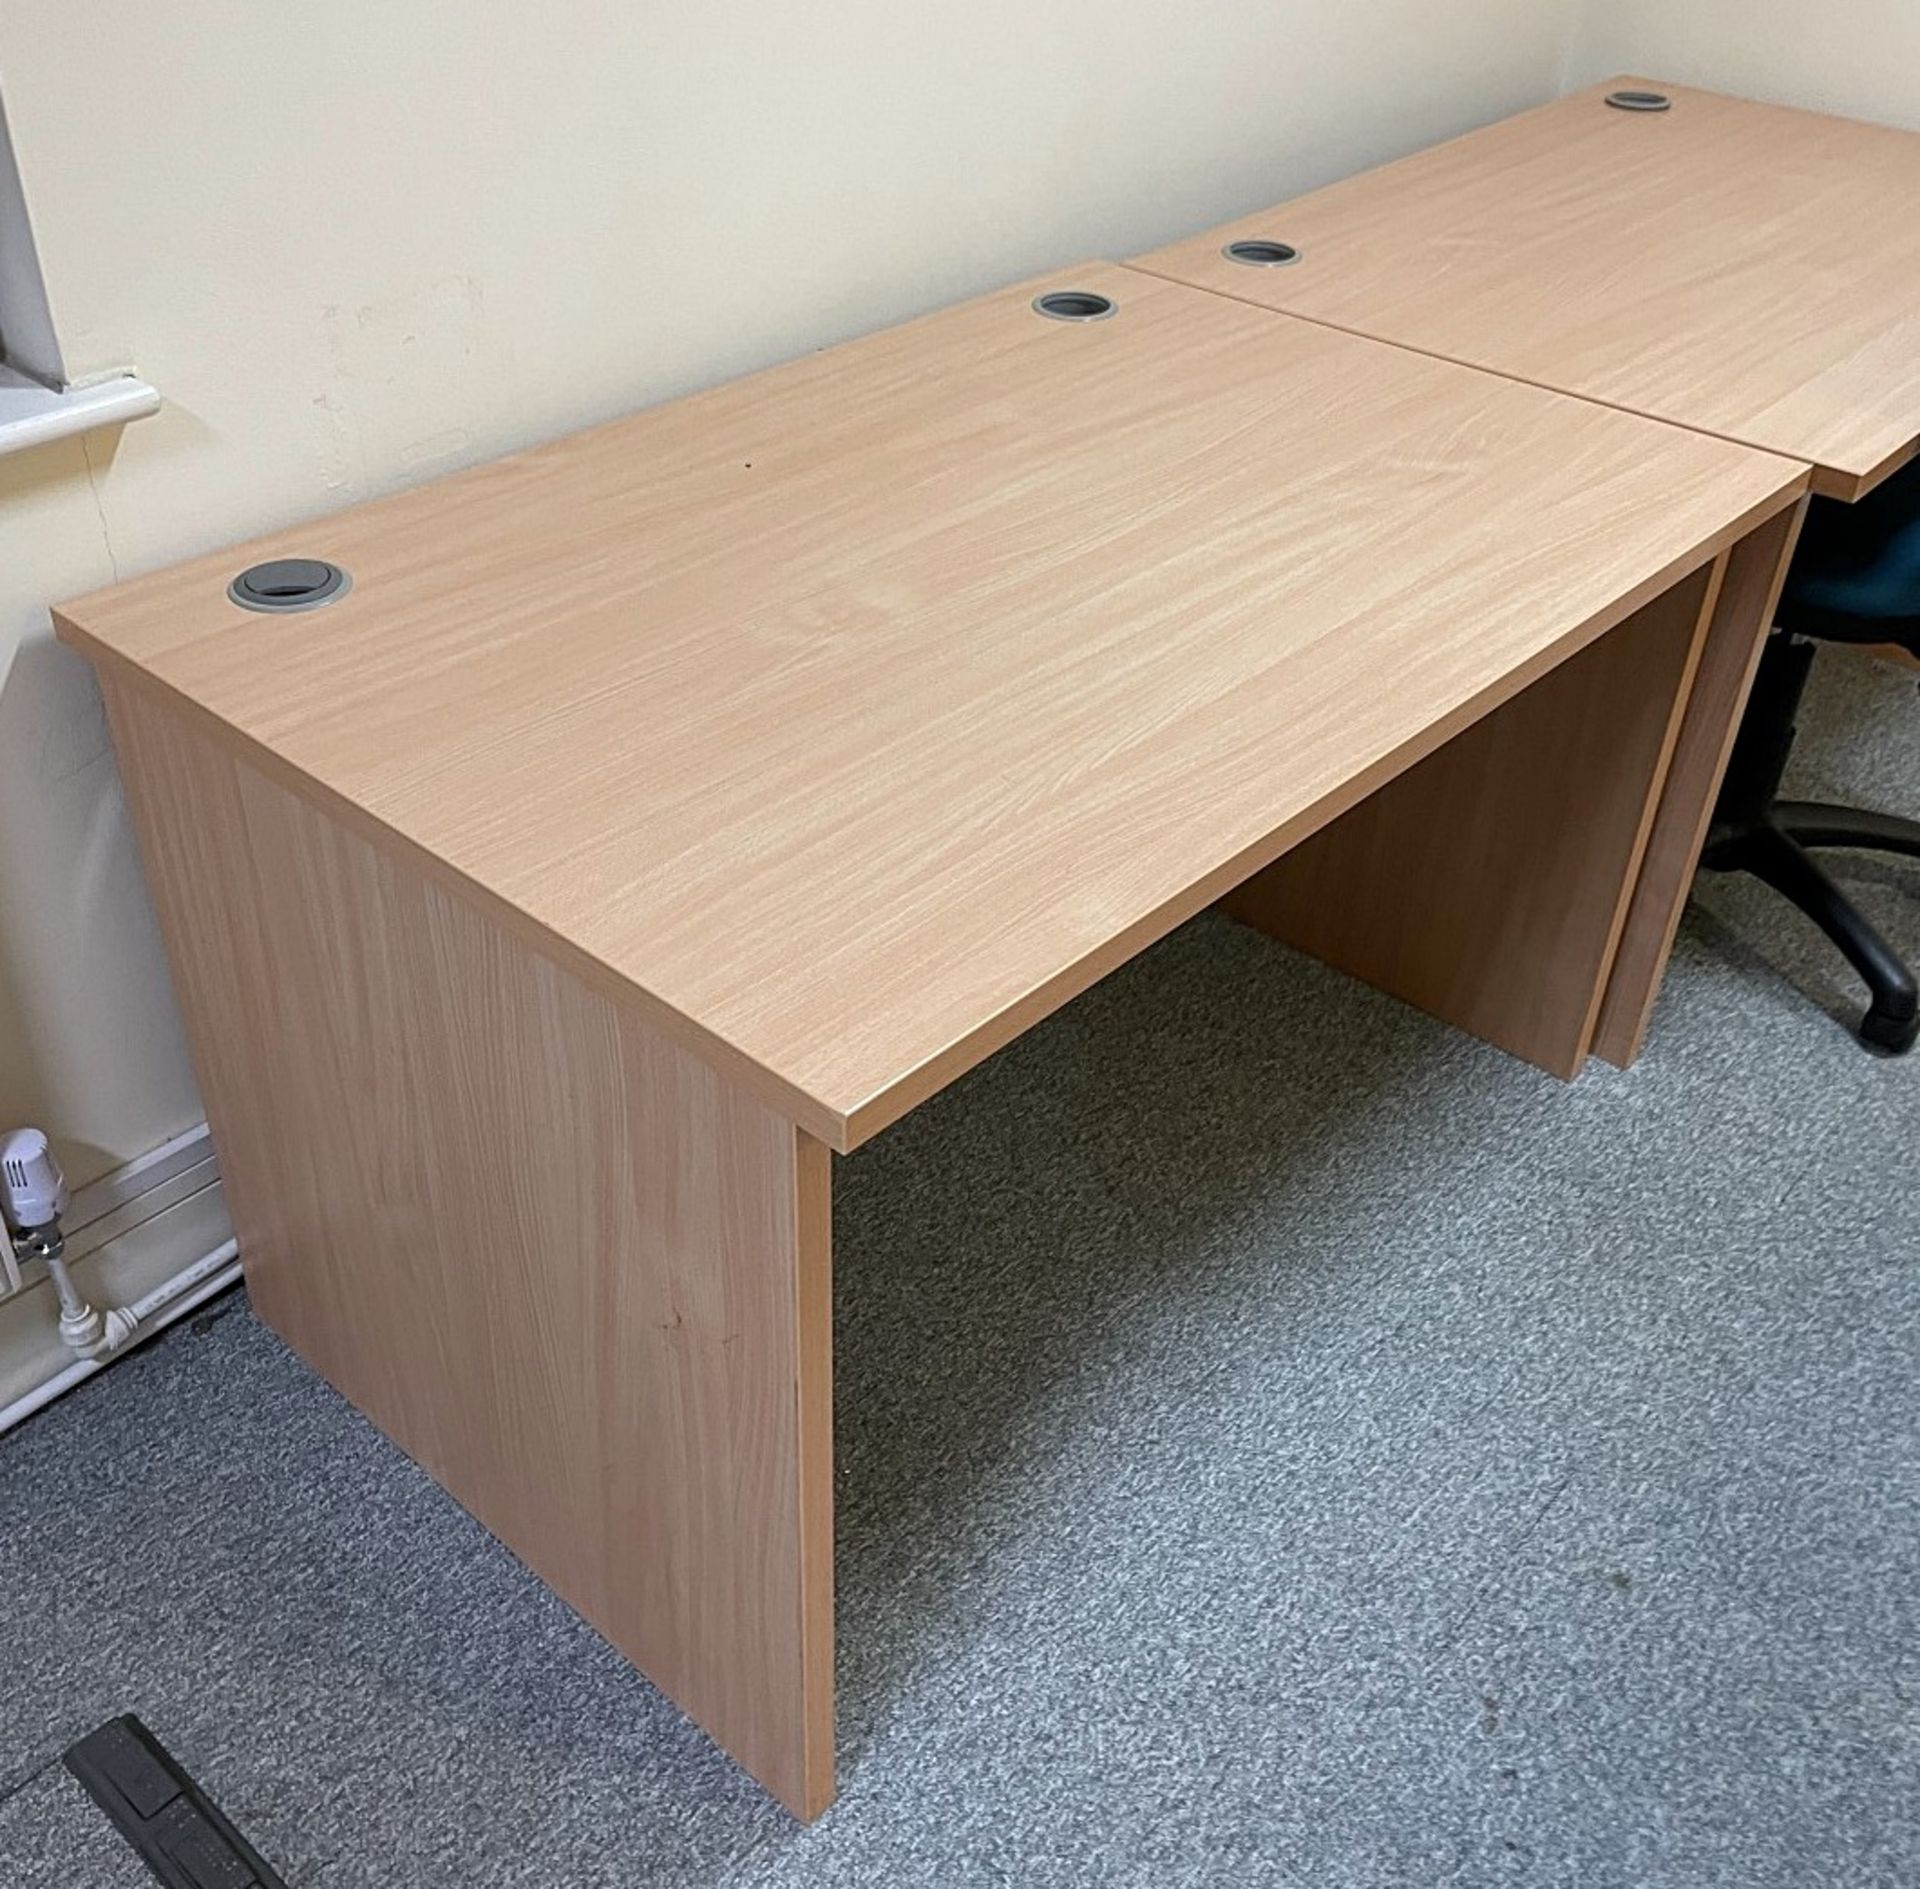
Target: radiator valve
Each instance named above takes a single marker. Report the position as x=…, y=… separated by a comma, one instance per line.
x=33, y=1196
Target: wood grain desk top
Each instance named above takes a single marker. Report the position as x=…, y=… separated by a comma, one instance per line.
x=1745, y=269
x=849, y=717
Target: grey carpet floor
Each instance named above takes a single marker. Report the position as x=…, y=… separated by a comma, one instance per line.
x=1280, y=1441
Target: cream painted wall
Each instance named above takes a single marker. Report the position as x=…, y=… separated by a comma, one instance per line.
x=357, y=244
x=1860, y=58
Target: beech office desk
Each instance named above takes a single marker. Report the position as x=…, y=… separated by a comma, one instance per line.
x=665, y=808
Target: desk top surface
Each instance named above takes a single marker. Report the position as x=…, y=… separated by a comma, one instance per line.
x=849, y=717
x=1745, y=269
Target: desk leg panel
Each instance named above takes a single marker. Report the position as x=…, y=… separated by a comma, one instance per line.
x=1490, y=883
x=572, y=1270
x=1742, y=616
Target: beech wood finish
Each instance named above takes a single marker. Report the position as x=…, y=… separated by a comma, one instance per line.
x=577, y=1274
x=851, y=717
x=1744, y=269
x=1512, y=851
x=1756, y=568
x=666, y=804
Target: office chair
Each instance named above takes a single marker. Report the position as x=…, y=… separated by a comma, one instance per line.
x=1855, y=578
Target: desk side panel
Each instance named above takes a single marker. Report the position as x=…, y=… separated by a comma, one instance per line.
x=1490, y=883
x=1742, y=616
x=572, y=1270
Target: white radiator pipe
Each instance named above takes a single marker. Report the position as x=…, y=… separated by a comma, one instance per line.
x=159, y=1308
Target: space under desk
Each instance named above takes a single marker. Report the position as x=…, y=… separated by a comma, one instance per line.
x=666, y=808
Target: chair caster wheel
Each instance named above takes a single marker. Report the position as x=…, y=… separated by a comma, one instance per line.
x=1895, y=1035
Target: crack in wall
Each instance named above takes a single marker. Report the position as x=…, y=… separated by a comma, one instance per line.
x=99, y=506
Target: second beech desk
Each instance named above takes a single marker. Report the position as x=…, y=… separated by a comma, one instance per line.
x=1742, y=269
x=670, y=806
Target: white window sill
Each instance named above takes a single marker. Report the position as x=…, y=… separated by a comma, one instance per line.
x=31, y=415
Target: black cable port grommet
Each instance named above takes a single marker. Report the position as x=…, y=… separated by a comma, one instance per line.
x=1639, y=101
x=283, y=584
x=1261, y=252
x=1074, y=305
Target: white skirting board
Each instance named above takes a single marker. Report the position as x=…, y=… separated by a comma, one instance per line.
x=153, y=1233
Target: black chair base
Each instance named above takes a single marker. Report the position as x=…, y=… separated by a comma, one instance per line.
x=1773, y=849
x=1757, y=833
